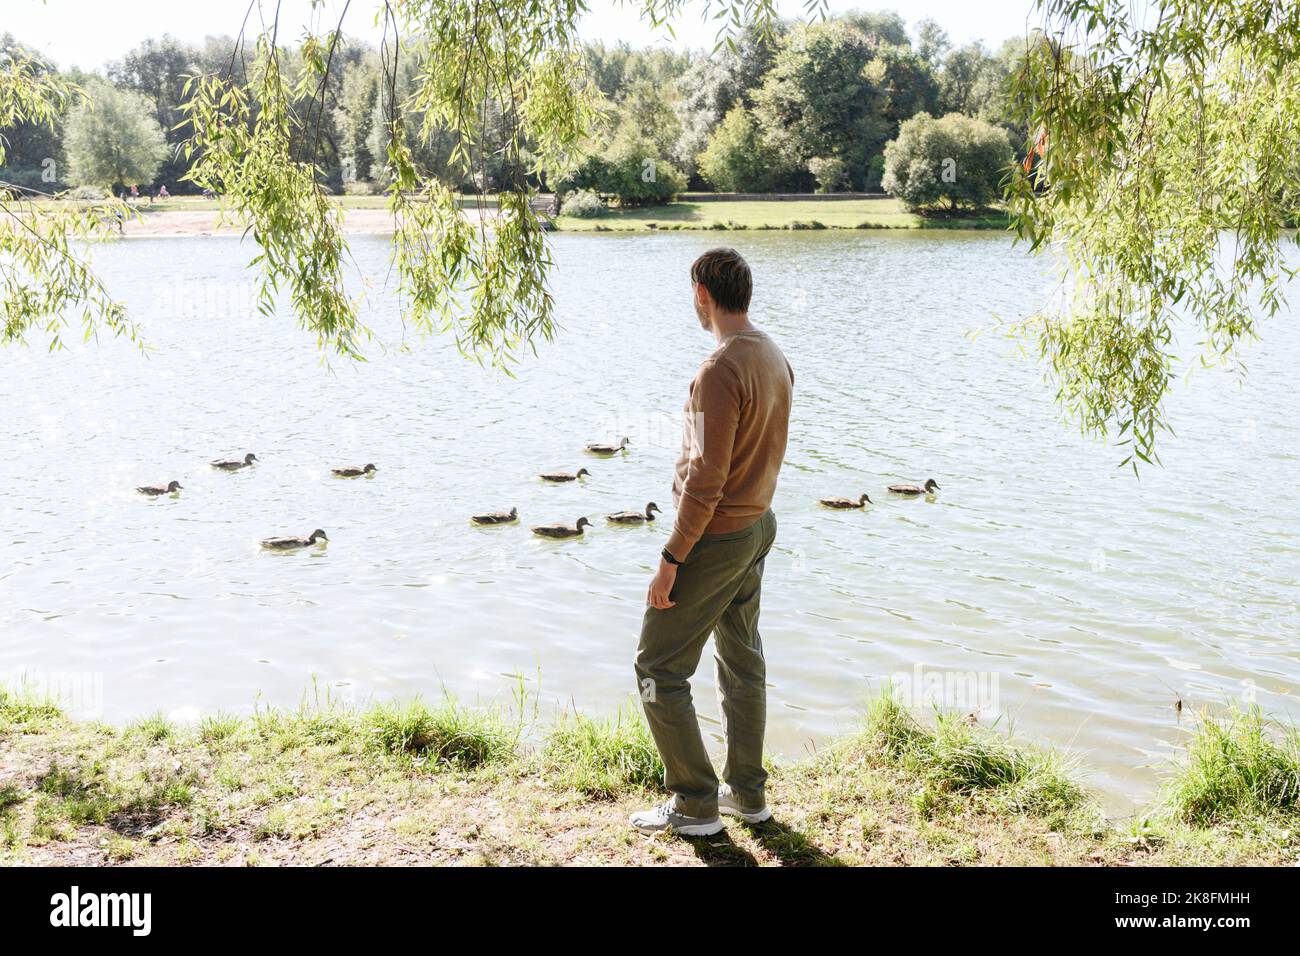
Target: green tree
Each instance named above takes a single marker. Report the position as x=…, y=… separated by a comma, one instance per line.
x=43, y=281
x=113, y=139
x=826, y=97
x=33, y=150
x=952, y=163
x=714, y=84
x=738, y=159
x=910, y=83
x=964, y=78
x=932, y=43
x=157, y=69
x=355, y=115
x=884, y=27
x=653, y=108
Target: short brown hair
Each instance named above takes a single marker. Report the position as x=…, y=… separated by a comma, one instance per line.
x=726, y=275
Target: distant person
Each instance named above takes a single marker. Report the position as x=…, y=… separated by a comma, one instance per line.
x=711, y=572
x=135, y=192
x=162, y=192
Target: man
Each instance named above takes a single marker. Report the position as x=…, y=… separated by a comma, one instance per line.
x=711, y=571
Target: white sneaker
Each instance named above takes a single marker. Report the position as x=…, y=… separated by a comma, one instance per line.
x=727, y=804
x=661, y=818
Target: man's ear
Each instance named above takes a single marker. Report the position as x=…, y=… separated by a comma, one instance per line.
x=702, y=297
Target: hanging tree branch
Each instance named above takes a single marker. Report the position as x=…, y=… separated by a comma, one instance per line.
x=1165, y=177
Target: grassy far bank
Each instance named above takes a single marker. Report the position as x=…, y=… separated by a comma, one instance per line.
x=882, y=213
x=875, y=213
x=411, y=784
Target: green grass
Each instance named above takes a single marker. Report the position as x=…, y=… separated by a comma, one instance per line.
x=447, y=734
x=799, y=214
x=220, y=729
x=883, y=213
x=1240, y=766
x=22, y=708
x=152, y=729
x=410, y=782
x=957, y=757
x=603, y=758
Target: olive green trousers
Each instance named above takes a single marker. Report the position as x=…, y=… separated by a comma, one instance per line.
x=717, y=592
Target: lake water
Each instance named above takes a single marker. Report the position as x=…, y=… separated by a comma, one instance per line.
x=1079, y=601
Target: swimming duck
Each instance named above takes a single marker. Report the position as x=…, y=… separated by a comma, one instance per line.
x=845, y=502
x=563, y=476
x=599, y=449
x=233, y=464
x=352, y=471
x=290, y=543
x=496, y=517
x=931, y=486
x=153, y=491
x=561, y=530
x=635, y=517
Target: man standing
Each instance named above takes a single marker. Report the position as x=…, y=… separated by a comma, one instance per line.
x=711, y=571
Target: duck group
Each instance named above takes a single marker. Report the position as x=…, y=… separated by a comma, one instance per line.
x=490, y=518
x=575, y=530
x=278, y=543
x=902, y=490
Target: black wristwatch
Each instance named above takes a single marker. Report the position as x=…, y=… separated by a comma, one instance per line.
x=669, y=558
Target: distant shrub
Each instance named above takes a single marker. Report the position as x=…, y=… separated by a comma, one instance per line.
x=361, y=187
x=583, y=204
x=831, y=172
x=88, y=193
x=629, y=168
x=951, y=163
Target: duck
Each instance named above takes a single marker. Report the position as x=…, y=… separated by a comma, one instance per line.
x=352, y=471
x=846, y=502
x=635, y=517
x=931, y=486
x=233, y=464
x=153, y=491
x=563, y=476
x=562, y=530
x=599, y=449
x=290, y=543
x=496, y=517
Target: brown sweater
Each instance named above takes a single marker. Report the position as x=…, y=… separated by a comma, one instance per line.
x=737, y=417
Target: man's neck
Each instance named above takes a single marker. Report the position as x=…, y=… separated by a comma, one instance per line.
x=727, y=324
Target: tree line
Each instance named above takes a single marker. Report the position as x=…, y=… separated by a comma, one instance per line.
x=797, y=108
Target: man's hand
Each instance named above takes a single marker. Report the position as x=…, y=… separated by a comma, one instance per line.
x=661, y=585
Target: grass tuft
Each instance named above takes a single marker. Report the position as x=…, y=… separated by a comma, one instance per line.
x=956, y=757
x=1239, y=766
x=603, y=758
x=22, y=708
x=448, y=734
x=153, y=729
x=220, y=728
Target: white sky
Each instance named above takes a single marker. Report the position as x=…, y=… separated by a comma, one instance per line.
x=88, y=33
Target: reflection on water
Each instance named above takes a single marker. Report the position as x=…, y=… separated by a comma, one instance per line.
x=1078, y=602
